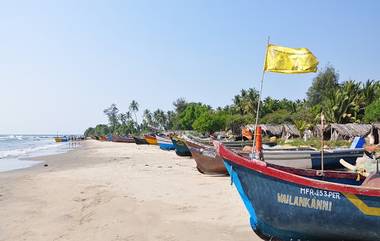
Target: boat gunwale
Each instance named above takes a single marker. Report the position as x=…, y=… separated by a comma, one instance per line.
x=270, y=170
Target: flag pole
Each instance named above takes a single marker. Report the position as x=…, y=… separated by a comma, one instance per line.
x=258, y=104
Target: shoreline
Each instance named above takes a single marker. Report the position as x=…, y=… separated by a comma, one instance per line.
x=118, y=191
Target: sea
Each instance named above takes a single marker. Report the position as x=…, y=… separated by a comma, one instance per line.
x=15, y=149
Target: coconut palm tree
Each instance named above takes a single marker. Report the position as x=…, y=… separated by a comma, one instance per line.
x=134, y=108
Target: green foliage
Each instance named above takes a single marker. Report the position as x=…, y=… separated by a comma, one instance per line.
x=323, y=84
x=347, y=102
x=89, y=132
x=134, y=108
x=180, y=105
x=99, y=130
x=235, y=122
x=277, y=117
x=186, y=118
x=372, y=112
x=209, y=122
x=245, y=103
x=301, y=125
x=112, y=114
x=342, y=105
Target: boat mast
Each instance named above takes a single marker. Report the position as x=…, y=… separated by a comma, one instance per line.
x=322, y=143
x=258, y=104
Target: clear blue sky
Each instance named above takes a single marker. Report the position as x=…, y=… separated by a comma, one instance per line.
x=63, y=62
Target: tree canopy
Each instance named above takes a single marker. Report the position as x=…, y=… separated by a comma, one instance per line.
x=345, y=102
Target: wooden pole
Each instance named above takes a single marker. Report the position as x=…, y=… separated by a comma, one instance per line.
x=322, y=143
x=258, y=104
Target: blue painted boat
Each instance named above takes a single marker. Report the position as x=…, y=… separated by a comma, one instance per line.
x=180, y=147
x=165, y=142
x=286, y=203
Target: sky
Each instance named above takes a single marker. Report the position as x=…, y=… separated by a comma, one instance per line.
x=63, y=62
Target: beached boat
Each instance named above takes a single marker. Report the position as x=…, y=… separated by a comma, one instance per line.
x=299, y=157
x=180, y=147
x=126, y=139
x=287, y=203
x=151, y=139
x=61, y=139
x=310, y=158
x=103, y=138
x=140, y=141
x=165, y=142
x=206, y=158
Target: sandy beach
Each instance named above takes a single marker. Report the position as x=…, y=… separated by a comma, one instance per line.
x=117, y=191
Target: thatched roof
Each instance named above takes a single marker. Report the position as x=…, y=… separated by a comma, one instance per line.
x=289, y=130
x=268, y=129
x=348, y=131
x=317, y=130
x=272, y=130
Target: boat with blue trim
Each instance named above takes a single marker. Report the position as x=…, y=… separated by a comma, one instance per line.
x=61, y=139
x=286, y=203
x=165, y=142
x=180, y=146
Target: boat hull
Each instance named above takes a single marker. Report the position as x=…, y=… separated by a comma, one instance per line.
x=125, y=139
x=165, y=143
x=312, y=159
x=208, y=162
x=60, y=139
x=140, y=141
x=285, y=208
x=180, y=147
x=151, y=140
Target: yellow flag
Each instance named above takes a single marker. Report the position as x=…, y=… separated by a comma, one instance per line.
x=290, y=60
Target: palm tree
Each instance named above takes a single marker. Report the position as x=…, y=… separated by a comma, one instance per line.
x=134, y=108
x=342, y=106
x=148, y=117
x=160, y=118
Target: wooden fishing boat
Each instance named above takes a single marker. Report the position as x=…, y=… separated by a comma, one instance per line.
x=103, y=138
x=165, y=142
x=299, y=157
x=309, y=158
x=287, y=203
x=151, y=139
x=140, y=141
x=126, y=139
x=206, y=158
x=180, y=147
x=61, y=139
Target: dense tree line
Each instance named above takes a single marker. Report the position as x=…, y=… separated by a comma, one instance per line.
x=346, y=102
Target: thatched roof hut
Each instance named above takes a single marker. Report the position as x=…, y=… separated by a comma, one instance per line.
x=317, y=131
x=268, y=129
x=290, y=131
x=272, y=130
x=348, y=131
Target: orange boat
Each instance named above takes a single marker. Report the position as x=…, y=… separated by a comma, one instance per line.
x=151, y=139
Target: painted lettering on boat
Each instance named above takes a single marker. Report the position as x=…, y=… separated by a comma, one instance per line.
x=319, y=193
x=304, y=202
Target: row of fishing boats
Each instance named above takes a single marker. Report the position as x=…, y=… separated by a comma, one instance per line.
x=290, y=193
x=68, y=138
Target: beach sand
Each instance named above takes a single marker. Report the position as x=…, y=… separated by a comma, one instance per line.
x=116, y=191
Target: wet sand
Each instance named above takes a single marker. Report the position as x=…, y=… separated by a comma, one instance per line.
x=116, y=191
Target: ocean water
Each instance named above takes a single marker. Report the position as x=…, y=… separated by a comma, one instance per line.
x=15, y=148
